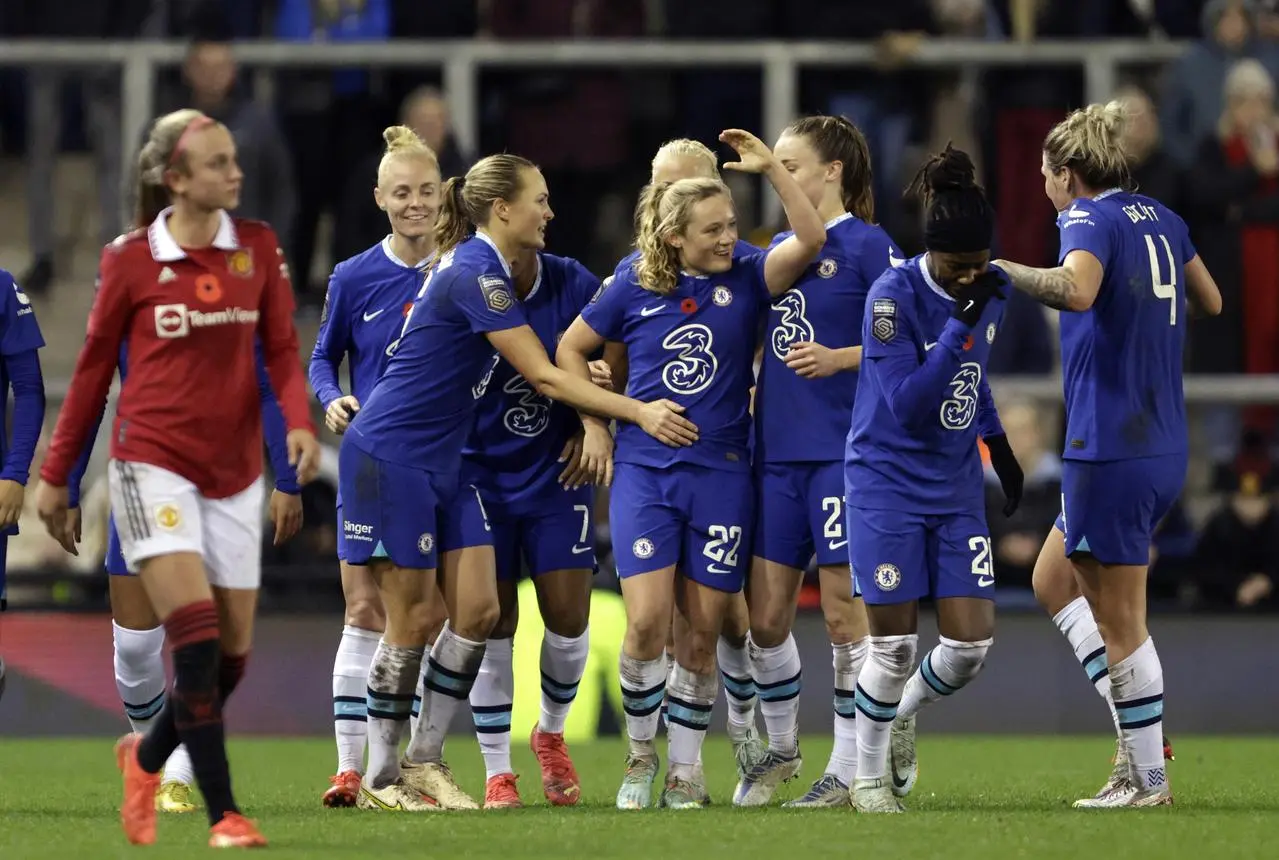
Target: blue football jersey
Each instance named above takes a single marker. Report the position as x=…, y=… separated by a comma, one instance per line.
x=801, y=420
x=19, y=332
x=369, y=296
x=922, y=399
x=696, y=347
x=1121, y=359
x=513, y=451
x=422, y=407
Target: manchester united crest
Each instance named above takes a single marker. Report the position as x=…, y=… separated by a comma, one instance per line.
x=240, y=263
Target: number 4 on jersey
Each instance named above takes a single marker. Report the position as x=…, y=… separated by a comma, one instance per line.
x=1163, y=290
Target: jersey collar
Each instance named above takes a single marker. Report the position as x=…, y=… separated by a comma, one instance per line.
x=488, y=240
x=165, y=249
x=390, y=255
x=928, y=279
x=1109, y=191
x=838, y=219
x=537, y=280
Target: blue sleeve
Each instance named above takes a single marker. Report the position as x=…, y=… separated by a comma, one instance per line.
x=913, y=391
x=876, y=255
x=585, y=285
x=331, y=345
x=1083, y=229
x=21, y=332
x=606, y=314
x=988, y=423
x=23, y=369
x=275, y=431
x=488, y=302
x=1188, y=250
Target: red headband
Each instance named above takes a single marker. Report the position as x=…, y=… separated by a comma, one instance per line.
x=193, y=126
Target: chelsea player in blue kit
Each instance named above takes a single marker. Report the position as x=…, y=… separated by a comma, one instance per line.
x=674, y=160
x=406, y=515
x=524, y=457
x=20, y=344
x=136, y=633
x=811, y=350
x=1126, y=271
x=688, y=312
x=368, y=298
x=913, y=473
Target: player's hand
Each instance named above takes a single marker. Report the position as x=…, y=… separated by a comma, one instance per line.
x=1254, y=589
x=588, y=458
x=1007, y=469
x=286, y=513
x=52, y=504
x=754, y=154
x=69, y=539
x=340, y=414
x=11, y=496
x=812, y=360
x=662, y=420
x=972, y=298
x=601, y=374
x=304, y=454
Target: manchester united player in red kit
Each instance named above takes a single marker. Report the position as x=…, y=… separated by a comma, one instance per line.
x=190, y=291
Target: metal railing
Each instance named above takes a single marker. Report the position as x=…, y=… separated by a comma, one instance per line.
x=461, y=61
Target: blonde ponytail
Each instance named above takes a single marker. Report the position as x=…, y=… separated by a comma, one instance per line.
x=1091, y=143
x=467, y=201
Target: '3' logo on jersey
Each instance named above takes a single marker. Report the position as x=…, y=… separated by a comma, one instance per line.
x=693, y=369
x=793, y=326
x=531, y=413
x=958, y=411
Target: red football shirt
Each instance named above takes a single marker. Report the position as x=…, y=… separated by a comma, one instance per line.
x=190, y=401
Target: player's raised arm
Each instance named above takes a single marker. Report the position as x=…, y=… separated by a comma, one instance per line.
x=787, y=261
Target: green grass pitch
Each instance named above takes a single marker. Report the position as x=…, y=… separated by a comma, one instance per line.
x=984, y=798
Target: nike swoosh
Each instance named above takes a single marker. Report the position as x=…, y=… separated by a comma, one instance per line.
x=929, y=346
x=893, y=261
x=578, y=550
x=970, y=304
x=985, y=581
x=368, y=316
x=838, y=545
x=897, y=780
x=1079, y=213
x=713, y=568
x=648, y=312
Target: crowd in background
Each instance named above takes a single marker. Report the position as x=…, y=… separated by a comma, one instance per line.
x=1204, y=138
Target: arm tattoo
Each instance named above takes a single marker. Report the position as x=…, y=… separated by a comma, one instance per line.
x=1053, y=287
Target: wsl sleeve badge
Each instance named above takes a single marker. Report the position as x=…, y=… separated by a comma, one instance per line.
x=497, y=295
x=883, y=321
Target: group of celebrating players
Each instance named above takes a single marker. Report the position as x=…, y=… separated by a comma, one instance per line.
x=485, y=375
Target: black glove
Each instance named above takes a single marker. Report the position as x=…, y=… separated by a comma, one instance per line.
x=1007, y=469
x=972, y=298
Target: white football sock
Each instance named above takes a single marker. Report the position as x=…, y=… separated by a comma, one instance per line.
x=643, y=692
x=1137, y=686
x=879, y=689
x=392, y=676
x=452, y=667
x=777, y=677
x=350, y=695
x=847, y=659
x=689, y=700
x=491, y=699
x=944, y=671
x=739, y=688
x=562, y=665
x=1077, y=624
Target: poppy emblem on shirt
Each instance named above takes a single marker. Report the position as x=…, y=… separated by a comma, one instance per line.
x=688, y=306
x=722, y=296
x=208, y=288
x=827, y=268
x=167, y=516
x=968, y=343
x=408, y=306
x=240, y=263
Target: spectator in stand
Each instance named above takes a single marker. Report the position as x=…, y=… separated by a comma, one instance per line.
x=360, y=223
x=1238, y=553
x=1192, y=99
x=338, y=108
x=1233, y=199
x=209, y=84
x=72, y=19
x=1152, y=169
x=1018, y=539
